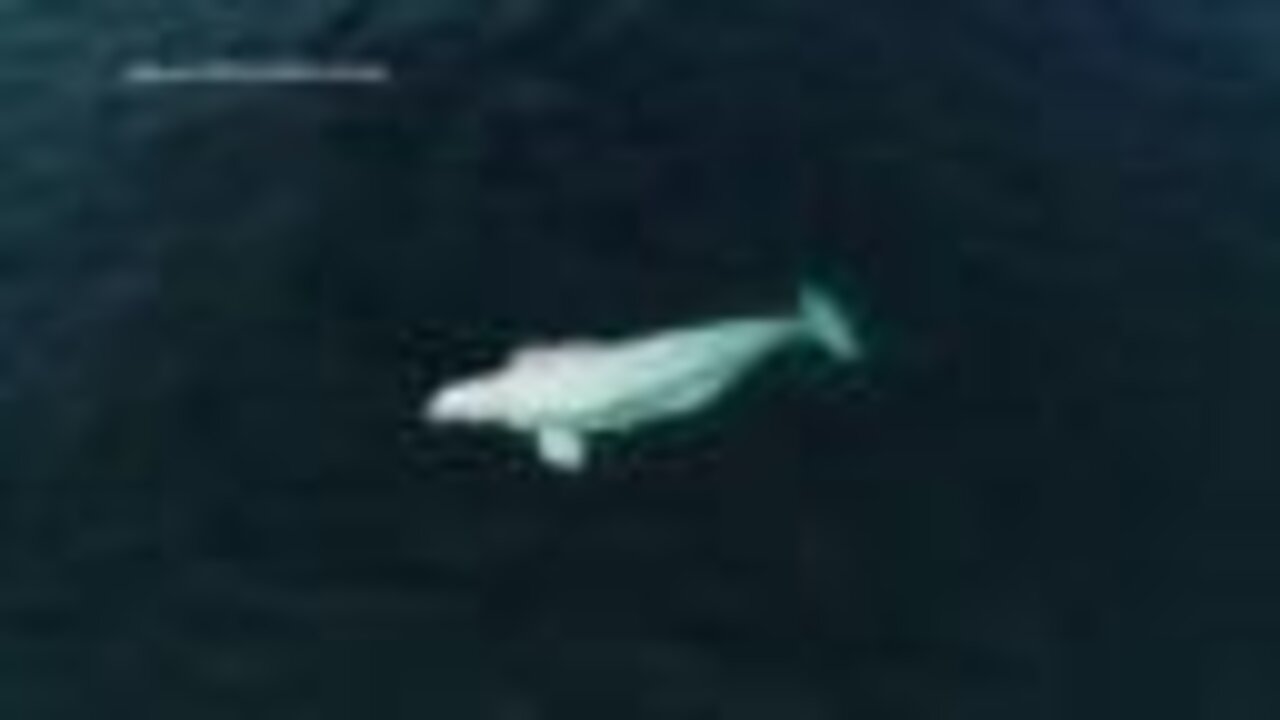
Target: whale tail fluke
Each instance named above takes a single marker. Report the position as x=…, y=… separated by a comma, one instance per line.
x=828, y=324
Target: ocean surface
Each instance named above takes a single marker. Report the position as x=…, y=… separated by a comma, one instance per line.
x=1049, y=491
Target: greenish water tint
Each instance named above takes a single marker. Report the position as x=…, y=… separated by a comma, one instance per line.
x=1050, y=494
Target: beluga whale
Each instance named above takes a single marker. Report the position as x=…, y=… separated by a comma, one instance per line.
x=566, y=393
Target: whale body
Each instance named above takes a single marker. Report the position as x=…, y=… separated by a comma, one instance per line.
x=561, y=394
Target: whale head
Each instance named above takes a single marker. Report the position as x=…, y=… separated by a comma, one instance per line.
x=469, y=402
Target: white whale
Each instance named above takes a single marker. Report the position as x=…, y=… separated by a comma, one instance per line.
x=562, y=393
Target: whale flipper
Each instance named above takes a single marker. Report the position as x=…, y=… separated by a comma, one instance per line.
x=562, y=449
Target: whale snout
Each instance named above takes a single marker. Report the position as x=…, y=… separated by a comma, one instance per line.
x=446, y=405
x=463, y=403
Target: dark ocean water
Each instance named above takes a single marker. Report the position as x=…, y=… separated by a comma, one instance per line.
x=1049, y=492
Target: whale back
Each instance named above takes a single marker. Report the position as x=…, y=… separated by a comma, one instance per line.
x=551, y=354
x=725, y=343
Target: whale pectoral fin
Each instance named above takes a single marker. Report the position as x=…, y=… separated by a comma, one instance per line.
x=562, y=449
